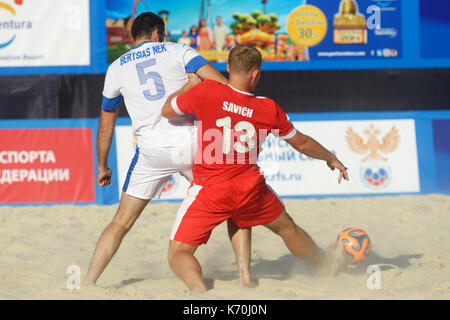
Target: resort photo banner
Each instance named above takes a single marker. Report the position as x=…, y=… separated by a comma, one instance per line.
x=283, y=30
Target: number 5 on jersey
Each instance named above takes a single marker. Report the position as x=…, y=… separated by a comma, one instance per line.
x=155, y=76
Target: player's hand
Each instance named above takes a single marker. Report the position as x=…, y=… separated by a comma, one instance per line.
x=336, y=164
x=193, y=79
x=104, y=177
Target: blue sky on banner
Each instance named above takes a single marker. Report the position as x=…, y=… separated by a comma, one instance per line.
x=184, y=14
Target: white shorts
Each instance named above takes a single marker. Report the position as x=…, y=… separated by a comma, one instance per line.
x=151, y=168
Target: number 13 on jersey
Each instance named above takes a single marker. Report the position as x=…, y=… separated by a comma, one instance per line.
x=246, y=140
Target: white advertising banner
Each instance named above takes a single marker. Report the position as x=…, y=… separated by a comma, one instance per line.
x=44, y=33
x=381, y=157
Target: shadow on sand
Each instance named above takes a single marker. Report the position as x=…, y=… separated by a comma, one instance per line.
x=289, y=266
x=125, y=283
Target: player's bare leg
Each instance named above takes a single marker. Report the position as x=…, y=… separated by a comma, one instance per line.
x=304, y=247
x=186, y=266
x=129, y=210
x=296, y=239
x=241, y=240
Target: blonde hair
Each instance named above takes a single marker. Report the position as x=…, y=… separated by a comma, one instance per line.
x=244, y=58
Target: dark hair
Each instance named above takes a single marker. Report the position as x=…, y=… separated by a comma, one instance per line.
x=244, y=58
x=144, y=25
x=200, y=23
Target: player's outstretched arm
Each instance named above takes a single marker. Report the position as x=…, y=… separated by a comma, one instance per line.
x=167, y=111
x=104, y=139
x=310, y=147
x=209, y=72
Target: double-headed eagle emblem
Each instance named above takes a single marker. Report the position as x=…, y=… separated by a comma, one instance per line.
x=373, y=146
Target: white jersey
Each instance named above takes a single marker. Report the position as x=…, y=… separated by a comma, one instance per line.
x=145, y=77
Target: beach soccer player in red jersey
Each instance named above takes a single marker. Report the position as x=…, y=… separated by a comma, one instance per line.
x=233, y=124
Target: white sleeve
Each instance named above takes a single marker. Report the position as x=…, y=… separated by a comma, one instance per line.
x=191, y=60
x=111, y=94
x=175, y=106
x=110, y=89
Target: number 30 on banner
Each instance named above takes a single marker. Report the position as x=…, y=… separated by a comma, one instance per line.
x=307, y=25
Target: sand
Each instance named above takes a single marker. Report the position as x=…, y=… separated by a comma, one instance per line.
x=409, y=234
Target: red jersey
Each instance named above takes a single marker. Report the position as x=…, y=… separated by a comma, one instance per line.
x=232, y=127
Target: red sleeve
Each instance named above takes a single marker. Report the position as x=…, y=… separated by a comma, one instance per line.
x=282, y=125
x=192, y=100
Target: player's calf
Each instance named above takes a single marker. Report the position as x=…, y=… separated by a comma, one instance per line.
x=185, y=265
x=296, y=239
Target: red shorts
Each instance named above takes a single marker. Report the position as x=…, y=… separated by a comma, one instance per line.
x=247, y=200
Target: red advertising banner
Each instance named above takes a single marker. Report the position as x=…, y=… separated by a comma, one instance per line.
x=46, y=165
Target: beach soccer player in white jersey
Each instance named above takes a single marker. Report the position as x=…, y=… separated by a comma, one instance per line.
x=144, y=78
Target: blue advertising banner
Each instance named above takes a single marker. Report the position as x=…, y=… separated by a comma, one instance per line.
x=366, y=29
x=297, y=34
x=287, y=30
x=441, y=131
x=435, y=28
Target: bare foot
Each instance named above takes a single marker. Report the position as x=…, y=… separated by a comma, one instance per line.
x=199, y=289
x=245, y=280
x=87, y=284
x=248, y=283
